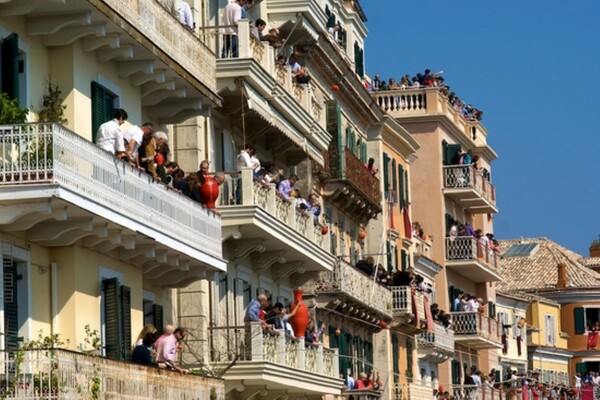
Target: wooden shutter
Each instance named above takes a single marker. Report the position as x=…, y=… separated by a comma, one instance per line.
x=491, y=309
x=102, y=107
x=455, y=372
x=449, y=220
x=448, y=152
x=581, y=368
x=386, y=182
x=394, y=181
x=409, y=357
x=125, y=307
x=579, y=320
x=388, y=256
x=11, y=313
x=395, y=358
x=10, y=65
x=157, y=310
x=112, y=318
x=404, y=260
x=402, y=199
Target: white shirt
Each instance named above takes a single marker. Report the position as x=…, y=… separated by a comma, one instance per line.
x=231, y=16
x=110, y=137
x=185, y=15
x=255, y=164
x=470, y=306
x=136, y=134
x=243, y=160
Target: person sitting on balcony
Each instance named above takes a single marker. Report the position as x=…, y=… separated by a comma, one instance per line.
x=258, y=28
x=286, y=186
x=141, y=353
x=231, y=17
x=371, y=166
x=366, y=265
x=110, y=135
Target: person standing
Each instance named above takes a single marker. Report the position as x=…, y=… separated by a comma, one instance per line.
x=231, y=17
x=110, y=135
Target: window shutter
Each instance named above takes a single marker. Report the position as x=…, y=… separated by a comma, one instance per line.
x=388, y=255
x=125, y=322
x=11, y=313
x=409, y=358
x=456, y=372
x=157, y=310
x=396, y=357
x=491, y=309
x=10, y=65
x=401, y=188
x=386, y=183
x=449, y=152
x=579, y=320
x=396, y=195
x=581, y=368
x=112, y=317
x=404, y=260
x=449, y=219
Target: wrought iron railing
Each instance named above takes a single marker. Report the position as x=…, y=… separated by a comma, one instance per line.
x=54, y=374
x=32, y=154
x=343, y=164
x=470, y=248
x=475, y=324
x=468, y=177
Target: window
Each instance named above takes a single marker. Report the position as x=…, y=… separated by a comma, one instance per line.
x=396, y=358
x=10, y=66
x=10, y=296
x=550, y=330
x=153, y=313
x=116, y=304
x=15, y=297
x=103, y=104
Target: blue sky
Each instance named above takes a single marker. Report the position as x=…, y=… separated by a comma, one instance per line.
x=533, y=67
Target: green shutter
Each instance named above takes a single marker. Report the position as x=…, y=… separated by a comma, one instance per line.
x=157, y=311
x=394, y=181
x=363, y=153
x=102, y=107
x=406, y=189
x=401, y=188
x=491, y=309
x=579, y=320
x=455, y=372
x=449, y=219
x=388, y=255
x=112, y=318
x=409, y=357
x=404, y=260
x=125, y=322
x=10, y=65
x=11, y=313
x=386, y=183
x=395, y=357
x=581, y=368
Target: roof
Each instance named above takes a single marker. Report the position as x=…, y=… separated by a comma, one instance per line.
x=539, y=269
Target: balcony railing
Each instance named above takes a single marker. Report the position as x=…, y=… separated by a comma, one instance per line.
x=475, y=324
x=470, y=248
x=253, y=193
x=247, y=343
x=61, y=374
x=407, y=301
x=343, y=164
x=362, y=394
x=167, y=34
x=34, y=154
x=411, y=391
x=467, y=177
x=440, y=340
x=347, y=279
x=422, y=247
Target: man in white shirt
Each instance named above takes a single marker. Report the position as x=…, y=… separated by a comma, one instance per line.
x=231, y=16
x=134, y=136
x=110, y=136
x=243, y=160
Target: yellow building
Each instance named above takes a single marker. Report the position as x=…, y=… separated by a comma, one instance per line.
x=445, y=194
x=86, y=240
x=511, y=311
x=570, y=292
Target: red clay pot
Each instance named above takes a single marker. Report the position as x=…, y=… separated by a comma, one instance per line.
x=209, y=191
x=299, y=321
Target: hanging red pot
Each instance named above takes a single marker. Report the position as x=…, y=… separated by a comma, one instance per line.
x=209, y=191
x=299, y=321
x=335, y=87
x=324, y=230
x=362, y=234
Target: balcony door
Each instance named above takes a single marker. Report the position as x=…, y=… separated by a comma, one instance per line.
x=103, y=105
x=15, y=306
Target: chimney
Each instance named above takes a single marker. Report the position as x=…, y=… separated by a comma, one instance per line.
x=595, y=248
x=562, y=281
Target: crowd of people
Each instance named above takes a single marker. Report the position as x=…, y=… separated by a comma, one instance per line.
x=159, y=350
x=488, y=246
x=428, y=80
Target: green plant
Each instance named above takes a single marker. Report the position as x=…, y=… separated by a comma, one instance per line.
x=10, y=112
x=53, y=109
x=92, y=339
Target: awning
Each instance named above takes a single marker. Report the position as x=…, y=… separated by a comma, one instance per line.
x=261, y=106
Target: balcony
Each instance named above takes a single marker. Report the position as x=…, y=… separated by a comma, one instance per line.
x=468, y=257
x=436, y=346
x=421, y=247
x=475, y=330
x=430, y=104
x=470, y=189
x=175, y=71
x=351, y=292
x=350, y=185
x=362, y=394
x=411, y=391
x=58, y=189
x=271, y=227
x=408, y=309
x=61, y=374
x=250, y=358
x=293, y=112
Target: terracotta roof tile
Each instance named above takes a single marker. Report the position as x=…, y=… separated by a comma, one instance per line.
x=539, y=271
